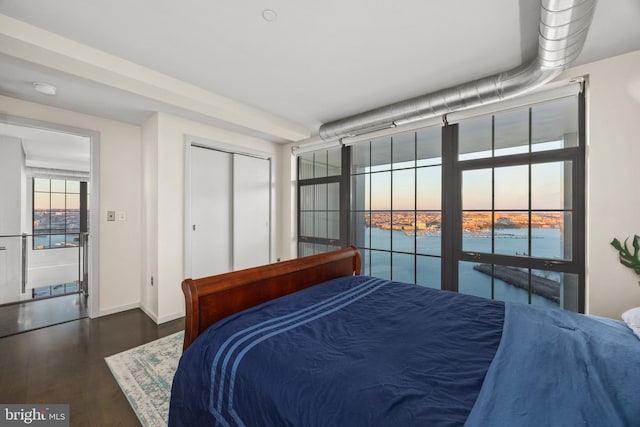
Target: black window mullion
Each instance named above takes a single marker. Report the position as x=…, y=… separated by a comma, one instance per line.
x=493, y=203
x=391, y=213
x=370, y=208
x=345, y=196
x=50, y=227
x=575, y=265
x=579, y=203
x=530, y=188
x=451, y=219
x=83, y=207
x=415, y=208
x=66, y=212
x=519, y=159
x=299, y=203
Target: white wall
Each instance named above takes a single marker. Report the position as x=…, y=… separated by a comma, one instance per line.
x=164, y=258
x=11, y=176
x=287, y=188
x=11, y=207
x=120, y=190
x=613, y=198
x=149, y=292
x=150, y=241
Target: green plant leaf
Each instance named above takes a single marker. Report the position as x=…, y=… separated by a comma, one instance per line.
x=626, y=258
x=616, y=244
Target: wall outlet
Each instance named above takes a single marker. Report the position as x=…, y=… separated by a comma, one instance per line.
x=111, y=215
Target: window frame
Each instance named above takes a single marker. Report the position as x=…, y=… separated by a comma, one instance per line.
x=83, y=211
x=451, y=207
x=342, y=180
x=371, y=170
x=452, y=249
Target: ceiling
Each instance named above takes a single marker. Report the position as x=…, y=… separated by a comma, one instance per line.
x=221, y=62
x=49, y=149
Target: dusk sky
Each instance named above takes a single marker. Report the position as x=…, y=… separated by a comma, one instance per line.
x=511, y=186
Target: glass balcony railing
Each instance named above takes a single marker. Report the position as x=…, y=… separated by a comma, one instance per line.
x=29, y=271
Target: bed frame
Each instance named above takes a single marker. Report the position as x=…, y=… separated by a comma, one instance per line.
x=213, y=298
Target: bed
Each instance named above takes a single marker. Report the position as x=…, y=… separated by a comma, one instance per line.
x=311, y=342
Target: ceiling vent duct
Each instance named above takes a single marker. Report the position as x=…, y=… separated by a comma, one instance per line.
x=563, y=29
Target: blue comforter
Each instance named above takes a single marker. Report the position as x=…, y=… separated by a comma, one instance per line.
x=555, y=368
x=363, y=351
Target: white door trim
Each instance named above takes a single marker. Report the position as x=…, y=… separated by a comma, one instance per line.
x=93, y=303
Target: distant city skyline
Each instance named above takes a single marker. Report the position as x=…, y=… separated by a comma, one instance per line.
x=56, y=219
x=55, y=228
x=430, y=222
x=508, y=189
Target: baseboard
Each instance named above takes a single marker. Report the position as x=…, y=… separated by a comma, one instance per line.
x=118, y=309
x=169, y=317
x=158, y=319
x=149, y=313
x=162, y=319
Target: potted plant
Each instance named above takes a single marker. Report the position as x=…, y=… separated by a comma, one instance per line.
x=627, y=258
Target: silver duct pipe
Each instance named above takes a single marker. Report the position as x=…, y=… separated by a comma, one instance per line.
x=563, y=29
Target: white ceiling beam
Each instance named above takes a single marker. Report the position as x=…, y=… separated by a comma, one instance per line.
x=30, y=43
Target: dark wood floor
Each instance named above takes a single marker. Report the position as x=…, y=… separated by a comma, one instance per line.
x=65, y=364
x=35, y=314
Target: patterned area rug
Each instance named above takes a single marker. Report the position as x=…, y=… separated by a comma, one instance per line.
x=145, y=374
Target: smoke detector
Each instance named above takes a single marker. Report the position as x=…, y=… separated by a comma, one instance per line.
x=45, y=88
x=269, y=15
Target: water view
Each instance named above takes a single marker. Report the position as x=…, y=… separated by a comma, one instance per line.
x=53, y=227
x=546, y=242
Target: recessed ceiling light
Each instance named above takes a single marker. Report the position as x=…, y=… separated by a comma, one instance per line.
x=269, y=15
x=45, y=88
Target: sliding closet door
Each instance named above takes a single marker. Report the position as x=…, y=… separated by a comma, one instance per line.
x=229, y=213
x=251, y=211
x=211, y=212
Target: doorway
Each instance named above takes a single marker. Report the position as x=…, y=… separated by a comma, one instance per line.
x=49, y=199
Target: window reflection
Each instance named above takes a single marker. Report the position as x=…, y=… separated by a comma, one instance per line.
x=511, y=130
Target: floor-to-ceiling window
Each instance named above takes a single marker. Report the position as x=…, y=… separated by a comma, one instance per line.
x=322, y=201
x=518, y=229
x=396, y=207
x=492, y=205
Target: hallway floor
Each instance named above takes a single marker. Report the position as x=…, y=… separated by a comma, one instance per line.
x=35, y=314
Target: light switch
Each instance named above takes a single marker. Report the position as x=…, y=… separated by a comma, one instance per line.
x=122, y=216
x=111, y=215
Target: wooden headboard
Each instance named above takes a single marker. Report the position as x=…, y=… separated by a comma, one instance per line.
x=213, y=298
